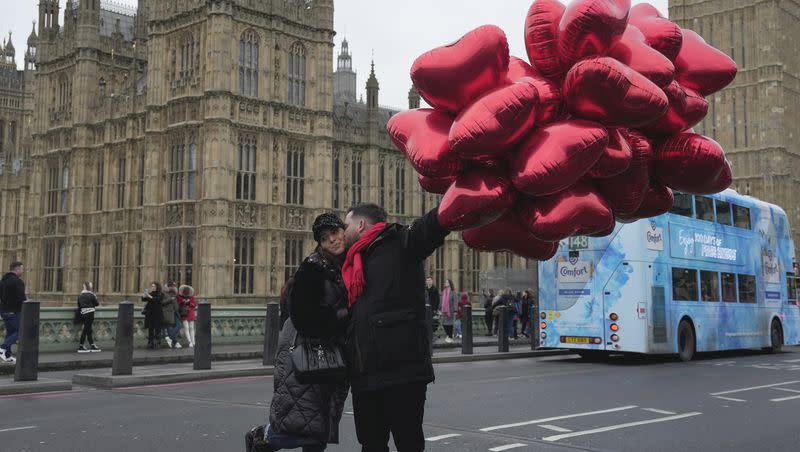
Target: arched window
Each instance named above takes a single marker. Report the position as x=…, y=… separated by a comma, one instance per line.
x=248, y=64
x=297, y=75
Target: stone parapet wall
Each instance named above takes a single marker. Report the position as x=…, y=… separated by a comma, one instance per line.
x=229, y=325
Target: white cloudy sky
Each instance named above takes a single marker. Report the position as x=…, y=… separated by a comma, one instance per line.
x=396, y=31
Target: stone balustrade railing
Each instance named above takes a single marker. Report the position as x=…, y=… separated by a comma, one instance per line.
x=229, y=325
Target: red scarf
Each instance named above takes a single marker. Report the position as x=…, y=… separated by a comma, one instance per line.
x=353, y=268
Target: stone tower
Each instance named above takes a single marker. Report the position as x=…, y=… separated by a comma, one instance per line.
x=344, y=79
x=757, y=118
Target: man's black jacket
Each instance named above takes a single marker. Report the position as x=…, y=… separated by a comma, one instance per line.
x=12, y=293
x=387, y=338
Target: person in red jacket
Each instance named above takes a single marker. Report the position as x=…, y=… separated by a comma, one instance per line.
x=463, y=301
x=187, y=306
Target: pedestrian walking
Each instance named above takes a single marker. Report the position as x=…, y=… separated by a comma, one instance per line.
x=463, y=301
x=525, y=314
x=301, y=414
x=499, y=300
x=12, y=295
x=153, y=315
x=448, y=309
x=488, y=315
x=389, y=362
x=188, y=311
x=87, y=303
x=171, y=312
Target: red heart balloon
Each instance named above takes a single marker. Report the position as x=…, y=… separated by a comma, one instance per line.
x=660, y=33
x=633, y=51
x=451, y=77
x=657, y=200
x=495, y=121
x=556, y=156
x=686, y=108
x=477, y=198
x=578, y=210
x=590, y=28
x=693, y=164
x=604, y=90
x=625, y=192
x=438, y=186
x=551, y=105
x=701, y=67
x=519, y=68
x=616, y=157
x=541, y=37
x=422, y=136
x=509, y=234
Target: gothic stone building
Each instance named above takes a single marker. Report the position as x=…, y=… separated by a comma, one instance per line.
x=757, y=118
x=195, y=141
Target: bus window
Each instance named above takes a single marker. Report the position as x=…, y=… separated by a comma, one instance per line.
x=729, y=287
x=709, y=285
x=682, y=205
x=747, y=289
x=791, y=288
x=704, y=208
x=684, y=284
x=741, y=217
x=723, y=212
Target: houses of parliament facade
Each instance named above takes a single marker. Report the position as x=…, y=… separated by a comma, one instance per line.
x=194, y=141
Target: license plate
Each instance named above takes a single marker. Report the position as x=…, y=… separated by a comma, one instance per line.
x=577, y=340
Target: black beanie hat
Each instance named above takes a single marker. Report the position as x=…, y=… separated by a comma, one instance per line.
x=325, y=222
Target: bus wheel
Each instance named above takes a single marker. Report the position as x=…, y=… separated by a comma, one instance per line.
x=593, y=355
x=776, y=337
x=686, y=343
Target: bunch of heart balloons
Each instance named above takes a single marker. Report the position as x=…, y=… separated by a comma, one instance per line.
x=594, y=128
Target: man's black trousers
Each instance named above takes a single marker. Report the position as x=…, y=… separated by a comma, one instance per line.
x=399, y=410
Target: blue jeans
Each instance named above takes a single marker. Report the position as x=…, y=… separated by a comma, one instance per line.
x=11, y=320
x=173, y=330
x=292, y=442
x=457, y=326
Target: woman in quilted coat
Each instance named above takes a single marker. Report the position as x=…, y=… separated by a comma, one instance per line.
x=308, y=415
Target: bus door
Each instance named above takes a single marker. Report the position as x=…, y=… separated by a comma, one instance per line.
x=626, y=303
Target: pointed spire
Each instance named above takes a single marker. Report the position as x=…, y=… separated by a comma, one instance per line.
x=33, y=40
x=10, y=51
x=372, y=88
x=413, y=98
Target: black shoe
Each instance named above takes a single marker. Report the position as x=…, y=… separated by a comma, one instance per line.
x=254, y=441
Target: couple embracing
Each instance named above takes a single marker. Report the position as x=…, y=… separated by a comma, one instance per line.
x=363, y=287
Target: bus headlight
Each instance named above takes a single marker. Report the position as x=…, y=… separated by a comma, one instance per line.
x=543, y=326
x=614, y=317
x=544, y=335
x=614, y=338
x=614, y=327
x=543, y=315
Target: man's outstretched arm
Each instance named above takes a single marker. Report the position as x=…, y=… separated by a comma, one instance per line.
x=424, y=235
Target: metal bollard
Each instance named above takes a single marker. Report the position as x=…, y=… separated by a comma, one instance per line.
x=502, y=329
x=28, y=351
x=429, y=326
x=466, y=331
x=272, y=325
x=202, y=346
x=123, y=342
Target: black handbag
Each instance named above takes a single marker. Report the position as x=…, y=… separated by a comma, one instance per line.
x=317, y=360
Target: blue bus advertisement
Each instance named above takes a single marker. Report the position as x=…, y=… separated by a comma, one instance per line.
x=715, y=273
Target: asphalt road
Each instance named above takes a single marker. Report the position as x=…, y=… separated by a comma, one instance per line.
x=739, y=401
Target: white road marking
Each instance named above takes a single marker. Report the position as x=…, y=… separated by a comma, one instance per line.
x=556, y=418
x=507, y=447
x=791, y=360
x=555, y=428
x=17, y=428
x=787, y=390
x=755, y=387
x=729, y=398
x=619, y=426
x=783, y=399
x=653, y=410
x=441, y=437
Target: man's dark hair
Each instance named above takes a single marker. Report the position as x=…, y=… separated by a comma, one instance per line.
x=15, y=265
x=375, y=213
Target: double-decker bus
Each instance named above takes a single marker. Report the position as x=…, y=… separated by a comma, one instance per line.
x=715, y=273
